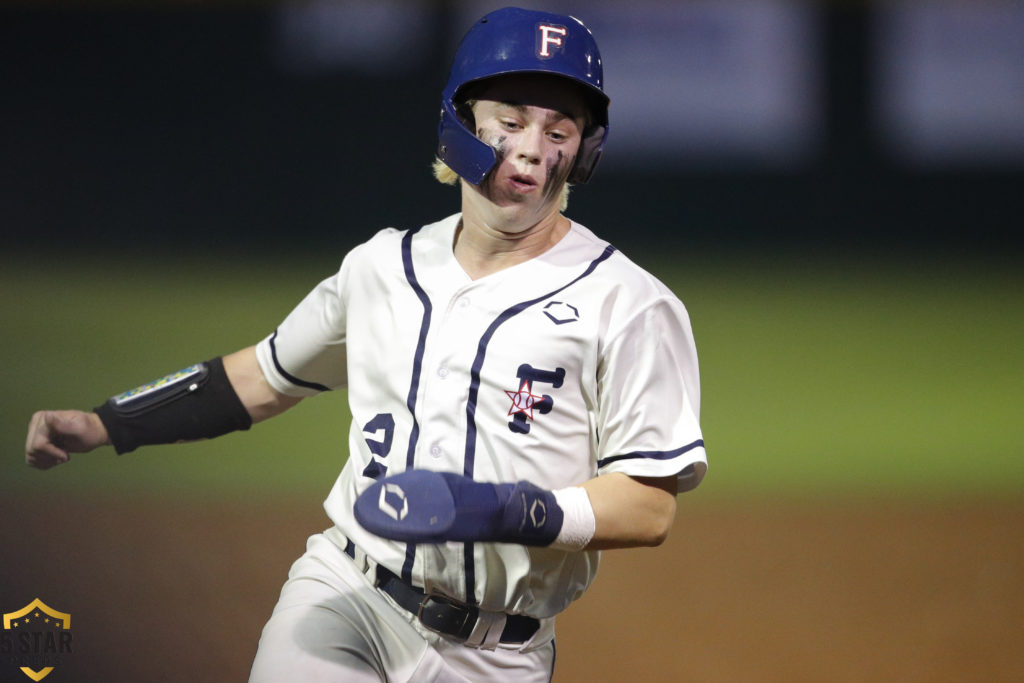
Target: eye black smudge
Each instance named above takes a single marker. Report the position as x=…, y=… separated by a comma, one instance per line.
x=499, y=147
x=557, y=172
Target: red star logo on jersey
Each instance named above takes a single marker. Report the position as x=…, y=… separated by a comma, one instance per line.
x=523, y=400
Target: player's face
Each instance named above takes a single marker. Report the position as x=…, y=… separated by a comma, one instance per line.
x=536, y=131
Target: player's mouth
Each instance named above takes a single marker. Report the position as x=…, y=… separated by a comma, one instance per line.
x=522, y=184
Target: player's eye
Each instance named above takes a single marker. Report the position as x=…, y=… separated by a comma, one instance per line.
x=510, y=124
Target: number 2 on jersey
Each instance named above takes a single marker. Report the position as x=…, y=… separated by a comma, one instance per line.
x=381, y=422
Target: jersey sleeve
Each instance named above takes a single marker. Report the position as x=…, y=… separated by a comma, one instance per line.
x=650, y=398
x=306, y=353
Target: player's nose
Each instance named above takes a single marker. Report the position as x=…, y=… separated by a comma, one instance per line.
x=530, y=145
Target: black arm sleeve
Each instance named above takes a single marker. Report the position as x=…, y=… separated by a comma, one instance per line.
x=196, y=403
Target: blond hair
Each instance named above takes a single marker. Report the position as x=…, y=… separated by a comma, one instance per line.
x=446, y=175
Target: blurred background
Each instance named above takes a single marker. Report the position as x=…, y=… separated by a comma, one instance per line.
x=748, y=123
x=833, y=189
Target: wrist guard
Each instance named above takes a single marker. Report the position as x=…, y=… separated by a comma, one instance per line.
x=195, y=403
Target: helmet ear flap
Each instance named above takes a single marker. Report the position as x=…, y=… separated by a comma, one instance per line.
x=464, y=112
x=460, y=149
x=590, y=151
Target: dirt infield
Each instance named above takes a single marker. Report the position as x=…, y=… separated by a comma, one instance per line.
x=741, y=592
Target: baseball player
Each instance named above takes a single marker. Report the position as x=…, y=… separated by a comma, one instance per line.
x=522, y=394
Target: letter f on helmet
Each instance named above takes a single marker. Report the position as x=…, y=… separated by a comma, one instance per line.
x=547, y=39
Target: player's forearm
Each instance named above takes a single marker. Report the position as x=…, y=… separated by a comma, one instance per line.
x=612, y=511
x=202, y=401
x=260, y=399
x=631, y=512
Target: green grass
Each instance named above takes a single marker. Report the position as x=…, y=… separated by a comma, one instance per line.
x=820, y=378
x=859, y=377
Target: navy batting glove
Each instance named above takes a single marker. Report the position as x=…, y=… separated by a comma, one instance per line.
x=420, y=506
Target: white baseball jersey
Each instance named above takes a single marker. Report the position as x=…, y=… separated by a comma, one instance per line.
x=573, y=364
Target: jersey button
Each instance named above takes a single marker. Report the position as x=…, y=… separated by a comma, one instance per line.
x=442, y=372
x=435, y=451
x=463, y=302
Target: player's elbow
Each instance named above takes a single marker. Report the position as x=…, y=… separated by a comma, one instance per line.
x=660, y=508
x=659, y=522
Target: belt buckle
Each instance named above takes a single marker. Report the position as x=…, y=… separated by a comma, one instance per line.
x=452, y=621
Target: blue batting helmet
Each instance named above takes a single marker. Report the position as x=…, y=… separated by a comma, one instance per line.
x=513, y=40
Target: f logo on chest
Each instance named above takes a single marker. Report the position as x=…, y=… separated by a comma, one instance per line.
x=525, y=402
x=550, y=36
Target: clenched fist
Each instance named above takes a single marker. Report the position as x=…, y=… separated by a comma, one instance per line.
x=53, y=435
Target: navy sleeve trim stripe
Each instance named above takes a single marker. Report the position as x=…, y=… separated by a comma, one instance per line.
x=287, y=375
x=651, y=455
